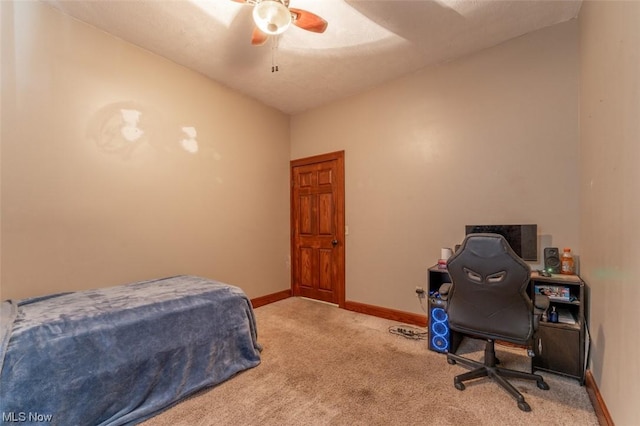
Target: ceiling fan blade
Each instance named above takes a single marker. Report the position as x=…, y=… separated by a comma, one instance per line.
x=308, y=21
x=258, y=38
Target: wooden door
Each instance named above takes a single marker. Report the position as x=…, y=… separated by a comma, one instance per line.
x=317, y=228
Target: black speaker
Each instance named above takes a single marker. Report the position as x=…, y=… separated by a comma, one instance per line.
x=552, y=260
x=439, y=336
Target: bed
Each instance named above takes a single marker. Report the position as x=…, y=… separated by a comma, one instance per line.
x=119, y=355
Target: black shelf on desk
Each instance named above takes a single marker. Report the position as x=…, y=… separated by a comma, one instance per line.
x=561, y=345
x=436, y=277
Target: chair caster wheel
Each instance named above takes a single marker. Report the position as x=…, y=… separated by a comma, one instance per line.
x=524, y=406
x=459, y=385
x=451, y=361
x=542, y=385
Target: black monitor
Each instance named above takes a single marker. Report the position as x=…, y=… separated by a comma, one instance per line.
x=523, y=239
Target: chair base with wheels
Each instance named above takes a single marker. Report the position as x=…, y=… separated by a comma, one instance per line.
x=489, y=368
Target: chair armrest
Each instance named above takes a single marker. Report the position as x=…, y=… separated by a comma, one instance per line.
x=540, y=306
x=444, y=291
x=541, y=303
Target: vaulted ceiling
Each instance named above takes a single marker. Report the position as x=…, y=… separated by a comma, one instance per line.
x=367, y=42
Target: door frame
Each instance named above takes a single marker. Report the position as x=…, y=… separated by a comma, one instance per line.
x=339, y=194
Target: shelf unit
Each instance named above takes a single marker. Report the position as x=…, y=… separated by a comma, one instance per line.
x=562, y=346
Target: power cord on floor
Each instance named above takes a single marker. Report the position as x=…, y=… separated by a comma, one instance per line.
x=409, y=332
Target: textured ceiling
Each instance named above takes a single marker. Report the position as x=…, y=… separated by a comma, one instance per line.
x=366, y=43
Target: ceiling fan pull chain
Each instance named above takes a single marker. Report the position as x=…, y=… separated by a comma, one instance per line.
x=274, y=53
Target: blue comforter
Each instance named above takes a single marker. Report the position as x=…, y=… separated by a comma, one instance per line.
x=119, y=355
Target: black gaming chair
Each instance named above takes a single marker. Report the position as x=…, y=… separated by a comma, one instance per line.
x=488, y=300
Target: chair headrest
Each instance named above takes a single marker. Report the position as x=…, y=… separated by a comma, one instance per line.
x=486, y=254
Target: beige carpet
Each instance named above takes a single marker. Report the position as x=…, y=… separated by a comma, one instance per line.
x=322, y=365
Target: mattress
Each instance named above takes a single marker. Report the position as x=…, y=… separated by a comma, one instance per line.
x=119, y=355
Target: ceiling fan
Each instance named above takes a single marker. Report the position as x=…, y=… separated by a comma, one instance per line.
x=273, y=17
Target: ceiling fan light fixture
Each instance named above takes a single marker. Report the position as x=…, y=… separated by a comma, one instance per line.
x=271, y=17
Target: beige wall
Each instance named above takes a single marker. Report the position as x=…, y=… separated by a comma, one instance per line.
x=84, y=207
x=491, y=138
x=610, y=198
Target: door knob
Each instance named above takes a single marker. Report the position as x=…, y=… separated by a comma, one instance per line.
x=334, y=243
